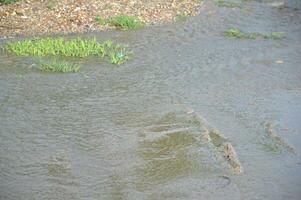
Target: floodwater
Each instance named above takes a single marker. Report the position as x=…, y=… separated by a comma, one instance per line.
x=128, y=132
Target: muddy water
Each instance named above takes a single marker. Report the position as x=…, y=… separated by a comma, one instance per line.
x=128, y=132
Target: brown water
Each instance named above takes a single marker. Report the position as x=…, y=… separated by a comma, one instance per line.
x=125, y=132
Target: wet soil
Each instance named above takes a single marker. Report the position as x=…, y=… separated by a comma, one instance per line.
x=137, y=131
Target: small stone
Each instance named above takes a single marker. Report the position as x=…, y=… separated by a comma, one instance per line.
x=4, y=14
x=77, y=9
x=20, y=12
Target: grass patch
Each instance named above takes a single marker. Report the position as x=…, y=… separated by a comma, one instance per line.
x=236, y=33
x=100, y=20
x=8, y=1
x=82, y=48
x=125, y=22
x=57, y=66
x=223, y=3
x=57, y=47
x=117, y=53
x=50, y=4
x=180, y=17
x=275, y=35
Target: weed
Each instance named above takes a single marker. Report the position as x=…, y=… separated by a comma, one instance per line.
x=180, y=17
x=117, y=54
x=121, y=21
x=125, y=22
x=118, y=58
x=50, y=4
x=7, y=1
x=57, y=66
x=223, y=3
x=236, y=33
x=275, y=35
x=100, y=20
x=108, y=7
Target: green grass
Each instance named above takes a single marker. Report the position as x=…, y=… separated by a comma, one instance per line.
x=7, y=1
x=236, y=33
x=180, y=17
x=275, y=35
x=50, y=4
x=100, y=20
x=57, y=47
x=57, y=66
x=223, y=3
x=82, y=48
x=117, y=53
x=125, y=22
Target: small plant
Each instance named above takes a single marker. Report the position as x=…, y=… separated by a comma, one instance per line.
x=8, y=1
x=121, y=21
x=57, y=66
x=117, y=54
x=275, y=35
x=223, y=3
x=180, y=17
x=118, y=58
x=100, y=20
x=50, y=4
x=236, y=33
x=125, y=22
x=108, y=7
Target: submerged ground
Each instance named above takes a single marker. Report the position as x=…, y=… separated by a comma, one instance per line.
x=128, y=133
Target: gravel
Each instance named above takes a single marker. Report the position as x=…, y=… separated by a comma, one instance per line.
x=45, y=17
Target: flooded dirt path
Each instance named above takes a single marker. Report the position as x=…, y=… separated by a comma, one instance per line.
x=138, y=131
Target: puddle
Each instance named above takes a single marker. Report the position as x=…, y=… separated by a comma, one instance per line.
x=123, y=132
